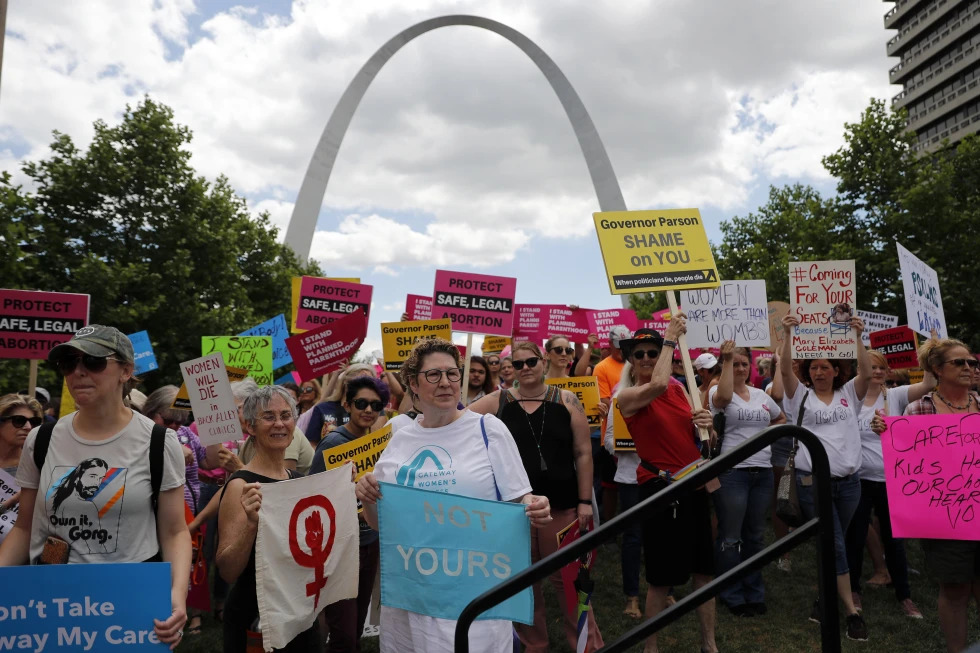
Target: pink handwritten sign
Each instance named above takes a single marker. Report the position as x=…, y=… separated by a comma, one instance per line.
x=319, y=351
x=932, y=475
x=322, y=301
x=476, y=303
x=32, y=322
x=601, y=321
x=418, y=307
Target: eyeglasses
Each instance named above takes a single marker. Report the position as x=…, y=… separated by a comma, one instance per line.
x=308, y=388
x=272, y=418
x=362, y=403
x=960, y=362
x=19, y=420
x=891, y=384
x=493, y=362
x=649, y=353
x=95, y=364
x=563, y=350
x=530, y=362
x=453, y=375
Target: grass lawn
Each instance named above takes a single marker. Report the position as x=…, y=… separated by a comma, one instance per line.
x=785, y=629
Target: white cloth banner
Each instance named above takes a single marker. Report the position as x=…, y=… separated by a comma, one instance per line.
x=306, y=552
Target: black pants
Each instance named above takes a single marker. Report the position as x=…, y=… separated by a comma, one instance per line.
x=873, y=495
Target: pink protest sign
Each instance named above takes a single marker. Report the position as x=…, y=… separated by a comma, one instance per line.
x=322, y=350
x=565, y=321
x=532, y=320
x=418, y=307
x=932, y=475
x=757, y=354
x=601, y=321
x=322, y=301
x=32, y=322
x=476, y=303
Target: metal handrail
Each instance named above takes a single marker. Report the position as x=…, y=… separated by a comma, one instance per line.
x=821, y=525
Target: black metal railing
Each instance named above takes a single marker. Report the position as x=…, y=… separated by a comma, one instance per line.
x=822, y=525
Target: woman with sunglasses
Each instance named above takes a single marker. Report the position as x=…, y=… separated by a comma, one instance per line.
x=365, y=399
x=18, y=415
x=559, y=351
x=103, y=435
x=493, y=364
x=329, y=413
x=487, y=468
x=552, y=434
x=309, y=394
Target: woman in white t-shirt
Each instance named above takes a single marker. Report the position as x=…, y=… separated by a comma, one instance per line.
x=887, y=401
x=467, y=465
x=830, y=411
x=743, y=499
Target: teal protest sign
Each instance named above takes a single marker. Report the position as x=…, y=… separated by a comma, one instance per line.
x=143, y=357
x=440, y=551
x=276, y=329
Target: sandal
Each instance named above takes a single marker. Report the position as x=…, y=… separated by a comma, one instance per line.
x=632, y=609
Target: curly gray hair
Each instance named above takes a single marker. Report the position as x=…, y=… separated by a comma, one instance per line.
x=258, y=402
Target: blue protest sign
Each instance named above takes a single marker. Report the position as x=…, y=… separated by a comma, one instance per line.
x=68, y=608
x=277, y=329
x=440, y=551
x=143, y=355
x=288, y=377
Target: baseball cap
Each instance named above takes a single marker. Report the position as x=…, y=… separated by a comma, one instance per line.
x=96, y=340
x=705, y=362
x=617, y=334
x=641, y=336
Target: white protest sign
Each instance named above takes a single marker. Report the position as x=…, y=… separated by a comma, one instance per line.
x=923, y=302
x=875, y=322
x=213, y=404
x=822, y=295
x=8, y=488
x=735, y=310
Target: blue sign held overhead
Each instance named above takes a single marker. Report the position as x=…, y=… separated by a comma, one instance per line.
x=143, y=355
x=69, y=608
x=277, y=329
x=440, y=551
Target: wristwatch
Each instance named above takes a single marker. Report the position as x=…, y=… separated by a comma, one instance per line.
x=670, y=343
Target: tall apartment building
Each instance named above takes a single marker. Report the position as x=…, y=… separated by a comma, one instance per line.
x=938, y=46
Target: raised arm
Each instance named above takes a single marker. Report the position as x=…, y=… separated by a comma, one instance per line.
x=776, y=389
x=790, y=382
x=863, y=377
x=726, y=383
x=585, y=359
x=918, y=390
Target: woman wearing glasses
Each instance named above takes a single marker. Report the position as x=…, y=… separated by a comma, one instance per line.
x=365, y=399
x=483, y=468
x=18, y=415
x=309, y=394
x=559, y=351
x=103, y=448
x=552, y=434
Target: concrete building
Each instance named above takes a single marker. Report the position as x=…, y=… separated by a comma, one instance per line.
x=938, y=47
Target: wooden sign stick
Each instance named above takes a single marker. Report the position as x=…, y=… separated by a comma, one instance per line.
x=692, y=384
x=32, y=379
x=464, y=383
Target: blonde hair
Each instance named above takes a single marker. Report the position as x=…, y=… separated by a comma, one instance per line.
x=534, y=349
x=932, y=353
x=879, y=358
x=547, y=348
x=12, y=401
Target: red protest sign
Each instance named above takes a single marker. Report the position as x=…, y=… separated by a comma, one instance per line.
x=32, y=322
x=476, y=303
x=418, y=307
x=323, y=349
x=899, y=345
x=323, y=301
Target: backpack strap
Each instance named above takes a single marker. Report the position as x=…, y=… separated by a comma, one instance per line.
x=41, y=443
x=799, y=422
x=158, y=439
x=486, y=443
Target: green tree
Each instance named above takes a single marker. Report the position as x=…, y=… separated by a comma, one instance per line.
x=156, y=246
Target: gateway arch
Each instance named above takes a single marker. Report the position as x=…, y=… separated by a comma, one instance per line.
x=302, y=223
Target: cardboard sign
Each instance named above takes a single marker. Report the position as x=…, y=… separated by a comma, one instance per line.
x=586, y=388
x=32, y=322
x=440, y=551
x=104, y=607
x=398, y=338
x=418, y=307
x=659, y=321
x=532, y=321
x=494, y=344
x=323, y=350
x=252, y=353
x=8, y=488
x=295, y=292
x=875, y=322
x=476, y=303
x=622, y=440
x=541, y=321
x=182, y=400
x=214, y=406
x=777, y=311
x=645, y=251
x=899, y=346
x=923, y=301
x=362, y=452
x=600, y=322
x=143, y=357
x=931, y=464
x=323, y=301
x=735, y=310
x=822, y=296
x=276, y=329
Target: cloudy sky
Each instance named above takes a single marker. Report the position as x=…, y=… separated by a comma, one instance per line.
x=460, y=156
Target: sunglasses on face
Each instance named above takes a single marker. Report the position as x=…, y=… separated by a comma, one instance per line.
x=649, y=353
x=19, y=420
x=960, y=362
x=453, y=375
x=362, y=403
x=891, y=384
x=530, y=362
x=493, y=362
x=308, y=388
x=95, y=364
x=568, y=351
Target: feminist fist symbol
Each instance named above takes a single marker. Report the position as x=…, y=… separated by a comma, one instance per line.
x=319, y=552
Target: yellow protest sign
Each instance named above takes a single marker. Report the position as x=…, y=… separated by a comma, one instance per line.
x=398, y=338
x=622, y=440
x=183, y=399
x=586, y=388
x=294, y=297
x=915, y=375
x=646, y=251
x=363, y=451
x=67, y=401
x=494, y=344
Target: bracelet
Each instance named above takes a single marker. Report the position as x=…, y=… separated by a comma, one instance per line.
x=669, y=343
x=585, y=502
